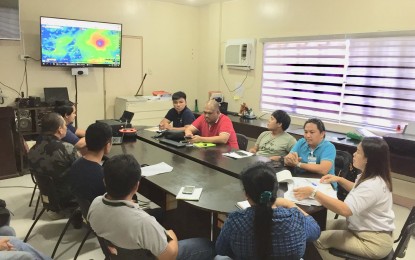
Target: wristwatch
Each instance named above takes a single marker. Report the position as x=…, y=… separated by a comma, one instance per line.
x=313, y=194
x=299, y=164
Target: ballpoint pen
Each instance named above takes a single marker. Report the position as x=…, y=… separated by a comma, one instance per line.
x=312, y=183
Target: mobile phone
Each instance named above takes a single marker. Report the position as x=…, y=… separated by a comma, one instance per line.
x=187, y=137
x=188, y=189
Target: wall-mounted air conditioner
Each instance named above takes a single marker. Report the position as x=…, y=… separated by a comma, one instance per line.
x=240, y=54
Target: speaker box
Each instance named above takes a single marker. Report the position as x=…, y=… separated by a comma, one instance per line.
x=24, y=120
x=34, y=101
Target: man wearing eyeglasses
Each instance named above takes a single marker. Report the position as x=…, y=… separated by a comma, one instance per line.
x=213, y=127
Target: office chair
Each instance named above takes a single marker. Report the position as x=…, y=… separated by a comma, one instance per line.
x=122, y=253
x=343, y=165
x=50, y=201
x=242, y=141
x=34, y=190
x=407, y=231
x=33, y=194
x=83, y=207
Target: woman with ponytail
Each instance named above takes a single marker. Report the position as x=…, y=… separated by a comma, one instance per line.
x=271, y=228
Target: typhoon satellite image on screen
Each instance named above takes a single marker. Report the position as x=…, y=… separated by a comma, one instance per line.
x=71, y=46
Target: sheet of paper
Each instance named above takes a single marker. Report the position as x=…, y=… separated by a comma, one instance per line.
x=243, y=204
x=284, y=176
x=311, y=182
x=153, y=129
x=238, y=154
x=156, y=169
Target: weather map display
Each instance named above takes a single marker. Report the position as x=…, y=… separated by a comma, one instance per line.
x=76, y=43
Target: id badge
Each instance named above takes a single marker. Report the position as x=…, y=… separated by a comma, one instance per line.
x=312, y=159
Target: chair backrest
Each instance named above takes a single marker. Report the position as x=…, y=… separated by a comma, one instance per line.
x=122, y=253
x=84, y=205
x=403, y=243
x=407, y=231
x=48, y=192
x=344, y=168
x=242, y=141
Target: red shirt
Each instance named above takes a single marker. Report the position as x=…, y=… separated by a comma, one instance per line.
x=222, y=125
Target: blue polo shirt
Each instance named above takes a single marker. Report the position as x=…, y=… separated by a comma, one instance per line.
x=70, y=136
x=325, y=151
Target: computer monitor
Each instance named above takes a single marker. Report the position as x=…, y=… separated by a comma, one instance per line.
x=55, y=94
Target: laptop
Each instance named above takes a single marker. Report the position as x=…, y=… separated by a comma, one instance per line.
x=55, y=94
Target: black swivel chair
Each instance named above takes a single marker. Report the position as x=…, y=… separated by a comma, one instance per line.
x=242, y=141
x=407, y=231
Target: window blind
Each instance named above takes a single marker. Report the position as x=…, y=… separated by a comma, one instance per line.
x=366, y=81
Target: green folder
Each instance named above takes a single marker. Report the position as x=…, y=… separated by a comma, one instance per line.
x=204, y=145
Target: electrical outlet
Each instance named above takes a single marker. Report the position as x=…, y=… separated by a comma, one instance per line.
x=23, y=57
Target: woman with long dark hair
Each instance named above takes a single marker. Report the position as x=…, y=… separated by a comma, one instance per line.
x=367, y=229
x=271, y=228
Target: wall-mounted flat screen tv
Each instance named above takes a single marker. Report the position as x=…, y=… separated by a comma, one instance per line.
x=9, y=20
x=77, y=43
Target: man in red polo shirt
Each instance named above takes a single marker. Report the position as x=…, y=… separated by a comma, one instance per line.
x=213, y=127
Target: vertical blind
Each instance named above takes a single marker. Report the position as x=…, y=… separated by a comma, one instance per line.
x=365, y=81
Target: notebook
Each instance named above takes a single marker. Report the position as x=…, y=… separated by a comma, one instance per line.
x=194, y=196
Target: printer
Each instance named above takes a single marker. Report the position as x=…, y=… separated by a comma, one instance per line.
x=117, y=124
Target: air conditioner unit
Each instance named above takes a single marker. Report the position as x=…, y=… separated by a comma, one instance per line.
x=240, y=54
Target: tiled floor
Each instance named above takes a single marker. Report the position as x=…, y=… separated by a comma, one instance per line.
x=17, y=192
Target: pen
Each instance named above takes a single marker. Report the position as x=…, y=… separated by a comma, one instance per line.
x=312, y=183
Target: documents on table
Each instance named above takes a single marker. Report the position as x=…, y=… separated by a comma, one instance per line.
x=156, y=169
x=242, y=204
x=153, y=129
x=297, y=182
x=194, y=196
x=238, y=154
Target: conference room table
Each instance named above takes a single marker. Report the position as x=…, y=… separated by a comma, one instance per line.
x=208, y=168
x=210, y=156
x=220, y=191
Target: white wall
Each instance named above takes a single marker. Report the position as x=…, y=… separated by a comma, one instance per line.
x=183, y=45
x=170, y=50
x=287, y=18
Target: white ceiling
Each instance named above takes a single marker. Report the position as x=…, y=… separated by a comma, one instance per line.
x=192, y=2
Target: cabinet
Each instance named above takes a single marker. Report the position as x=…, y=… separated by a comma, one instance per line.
x=28, y=127
x=7, y=152
x=148, y=110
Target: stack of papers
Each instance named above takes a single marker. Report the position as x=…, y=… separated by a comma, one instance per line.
x=242, y=204
x=297, y=182
x=194, y=196
x=238, y=154
x=156, y=169
x=153, y=129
